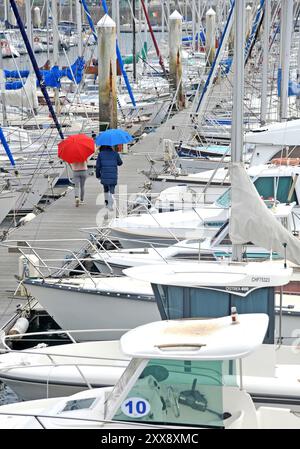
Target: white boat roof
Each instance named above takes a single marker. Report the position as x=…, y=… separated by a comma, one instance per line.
x=187, y=218
x=216, y=338
x=284, y=133
x=203, y=274
x=272, y=170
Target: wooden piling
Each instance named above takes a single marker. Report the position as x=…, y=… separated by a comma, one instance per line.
x=175, y=59
x=107, y=72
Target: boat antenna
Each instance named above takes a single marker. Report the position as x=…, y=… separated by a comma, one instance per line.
x=285, y=246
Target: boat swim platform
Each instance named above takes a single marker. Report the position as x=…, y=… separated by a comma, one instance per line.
x=62, y=220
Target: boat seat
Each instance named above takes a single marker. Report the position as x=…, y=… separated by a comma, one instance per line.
x=277, y=418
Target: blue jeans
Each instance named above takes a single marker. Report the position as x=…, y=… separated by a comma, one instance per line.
x=109, y=188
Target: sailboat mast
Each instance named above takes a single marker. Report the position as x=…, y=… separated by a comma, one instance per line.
x=79, y=27
x=55, y=48
x=145, y=25
x=115, y=12
x=162, y=22
x=264, y=87
x=36, y=69
x=48, y=30
x=55, y=31
x=134, y=39
x=2, y=88
x=29, y=23
x=5, y=10
x=286, y=21
x=238, y=97
x=71, y=11
x=160, y=59
x=194, y=25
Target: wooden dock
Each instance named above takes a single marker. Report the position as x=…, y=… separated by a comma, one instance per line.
x=62, y=222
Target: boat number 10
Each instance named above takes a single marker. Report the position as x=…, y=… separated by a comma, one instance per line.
x=135, y=407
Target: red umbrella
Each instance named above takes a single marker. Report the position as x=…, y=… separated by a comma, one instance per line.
x=76, y=148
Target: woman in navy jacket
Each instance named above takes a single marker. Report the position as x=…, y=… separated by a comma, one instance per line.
x=107, y=164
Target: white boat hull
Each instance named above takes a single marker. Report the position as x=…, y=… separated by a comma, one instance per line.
x=195, y=165
x=79, y=309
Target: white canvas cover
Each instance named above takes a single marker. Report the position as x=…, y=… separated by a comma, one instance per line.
x=252, y=221
x=26, y=97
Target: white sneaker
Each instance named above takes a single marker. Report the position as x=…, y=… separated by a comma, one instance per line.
x=81, y=202
x=76, y=202
x=111, y=204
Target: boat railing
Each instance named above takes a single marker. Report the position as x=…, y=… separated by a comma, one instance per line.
x=210, y=257
x=295, y=216
x=14, y=134
x=52, y=356
x=72, y=261
x=153, y=203
x=124, y=424
x=144, y=202
x=68, y=332
x=215, y=171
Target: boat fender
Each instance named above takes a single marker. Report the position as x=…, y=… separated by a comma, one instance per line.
x=26, y=219
x=40, y=346
x=20, y=326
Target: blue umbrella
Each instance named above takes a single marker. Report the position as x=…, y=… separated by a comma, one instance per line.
x=113, y=137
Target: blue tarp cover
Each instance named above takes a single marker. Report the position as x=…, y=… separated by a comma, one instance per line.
x=226, y=65
x=190, y=38
x=52, y=77
x=294, y=88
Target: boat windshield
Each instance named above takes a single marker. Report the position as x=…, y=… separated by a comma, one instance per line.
x=225, y=199
x=179, y=392
x=282, y=188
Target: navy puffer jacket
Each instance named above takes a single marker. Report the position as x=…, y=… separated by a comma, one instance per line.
x=107, y=166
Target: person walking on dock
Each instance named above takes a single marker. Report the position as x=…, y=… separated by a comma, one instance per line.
x=80, y=172
x=107, y=164
x=76, y=150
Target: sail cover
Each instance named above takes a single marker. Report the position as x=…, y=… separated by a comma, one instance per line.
x=252, y=221
x=51, y=77
x=22, y=98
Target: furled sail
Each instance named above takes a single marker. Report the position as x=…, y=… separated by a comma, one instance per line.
x=252, y=221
